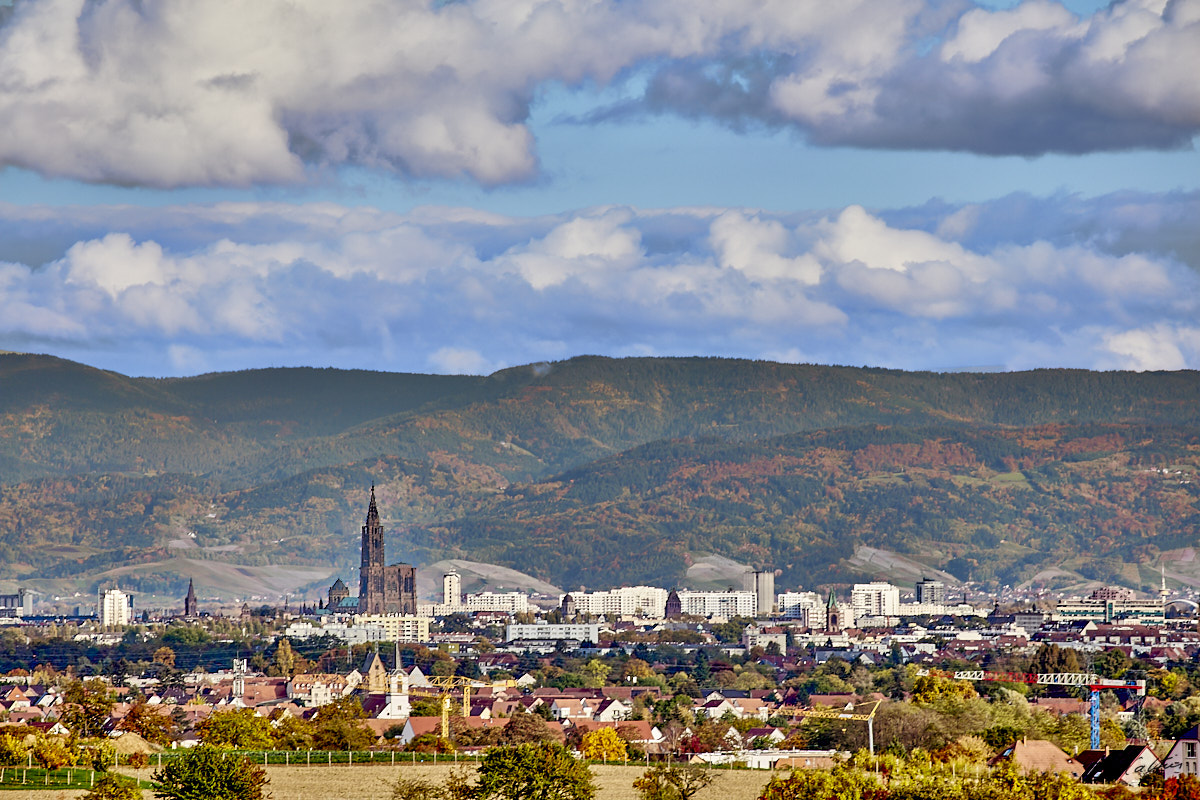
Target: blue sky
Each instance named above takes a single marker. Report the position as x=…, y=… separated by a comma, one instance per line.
x=468, y=186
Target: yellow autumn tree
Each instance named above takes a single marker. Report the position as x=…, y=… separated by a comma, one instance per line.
x=603, y=744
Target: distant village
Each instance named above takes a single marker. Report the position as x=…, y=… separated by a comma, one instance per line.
x=1100, y=687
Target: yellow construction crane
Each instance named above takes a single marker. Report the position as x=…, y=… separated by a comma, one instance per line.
x=451, y=682
x=849, y=712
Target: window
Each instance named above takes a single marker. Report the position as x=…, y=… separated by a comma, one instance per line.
x=1190, y=749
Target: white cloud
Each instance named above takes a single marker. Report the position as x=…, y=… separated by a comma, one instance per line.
x=175, y=93
x=231, y=286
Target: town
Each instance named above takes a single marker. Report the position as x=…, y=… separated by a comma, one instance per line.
x=1098, y=688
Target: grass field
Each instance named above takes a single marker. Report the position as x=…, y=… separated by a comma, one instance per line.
x=371, y=782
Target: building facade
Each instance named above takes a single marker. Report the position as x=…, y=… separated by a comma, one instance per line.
x=17, y=605
x=383, y=589
x=719, y=604
x=875, y=599
x=762, y=583
x=543, y=631
x=114, y=608
x=628, y=601
x=931, y=591
x=407, y=628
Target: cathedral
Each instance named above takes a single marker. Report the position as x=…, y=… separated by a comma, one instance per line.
x=383, y=589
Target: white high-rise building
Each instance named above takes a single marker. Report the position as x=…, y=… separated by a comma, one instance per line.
x=451, y=589
x=719, y=604
x=505, y=602
x=875, y=599
x=114, y=608
x=629, y=601
x=808, y=607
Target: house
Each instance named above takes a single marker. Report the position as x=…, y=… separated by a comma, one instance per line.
x=1126, y=766
x=1036, y=755
x=1182, y=758
x=768, y=734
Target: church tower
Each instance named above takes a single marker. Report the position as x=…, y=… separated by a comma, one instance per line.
x=189, y=602
x=370, y=573
x=383, y=589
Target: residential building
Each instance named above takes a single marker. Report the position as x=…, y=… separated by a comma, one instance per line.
x=1182, y=758
x=506, y=602
x=451, y=588
x=408, y=628
x=719, y=604
x=931, y=591
x=875, y=599
x=629, y=601
x=762, y=583
x=114, y=608
x=546, y=632
x=808, y=607
x=755, y=636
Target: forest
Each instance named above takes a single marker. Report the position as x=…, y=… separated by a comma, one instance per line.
x=598, y=470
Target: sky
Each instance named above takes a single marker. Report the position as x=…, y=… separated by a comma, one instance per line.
x=460, y=186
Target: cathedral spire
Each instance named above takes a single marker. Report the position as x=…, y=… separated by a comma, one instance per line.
x=372, y=510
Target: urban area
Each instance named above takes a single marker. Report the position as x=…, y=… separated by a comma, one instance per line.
x=1089, y=690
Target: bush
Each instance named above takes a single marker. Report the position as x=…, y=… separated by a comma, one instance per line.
x=114, y=787
x=543, y=771
x=206, y=773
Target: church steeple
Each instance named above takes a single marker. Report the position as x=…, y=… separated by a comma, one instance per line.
x=189, y=602
x=372, y=509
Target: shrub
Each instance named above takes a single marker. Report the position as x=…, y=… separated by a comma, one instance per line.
x=206, y=773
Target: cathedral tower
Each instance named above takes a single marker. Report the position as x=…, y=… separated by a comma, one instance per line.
x=383, y=589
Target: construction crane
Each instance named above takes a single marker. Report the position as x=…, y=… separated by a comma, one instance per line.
x=849, y=712
x=452, y=682
x=1093, y=682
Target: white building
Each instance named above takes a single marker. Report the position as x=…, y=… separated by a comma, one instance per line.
x=506, y=602
x=719, y=604
x=350, y=634
x=875, y=599
x=808, y=607
x=397, y=627
x=114, y=608
x=628, y=601
x=451, y=589
x=547, y=632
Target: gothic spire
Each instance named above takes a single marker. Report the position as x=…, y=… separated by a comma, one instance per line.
x=372, y=510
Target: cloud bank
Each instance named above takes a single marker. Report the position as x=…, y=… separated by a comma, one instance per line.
x=226, y=93
x=190, y=288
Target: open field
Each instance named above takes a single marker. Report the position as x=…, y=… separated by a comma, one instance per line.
x=372, y=782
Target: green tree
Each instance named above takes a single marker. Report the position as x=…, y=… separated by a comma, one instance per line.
x=543, y=771
x=338, y=726
x=525, y=729
x=113, y=786
x=150, y=722
x=241, y=728
x=673, y=782
x=207, y=773
x=88, y=704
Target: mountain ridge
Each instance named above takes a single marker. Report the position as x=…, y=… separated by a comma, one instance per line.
x=99, y=469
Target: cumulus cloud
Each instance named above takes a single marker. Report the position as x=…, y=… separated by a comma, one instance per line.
x=189, y=288
x=175, y=93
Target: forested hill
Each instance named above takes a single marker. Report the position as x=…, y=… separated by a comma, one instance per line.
x=100, y=470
